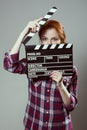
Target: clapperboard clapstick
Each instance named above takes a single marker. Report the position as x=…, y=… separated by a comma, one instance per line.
x=42, y=59
x=42, y=22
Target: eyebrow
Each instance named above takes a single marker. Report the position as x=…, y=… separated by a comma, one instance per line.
x=43, y=36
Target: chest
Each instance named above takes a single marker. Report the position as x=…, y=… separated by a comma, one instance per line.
x=44, y=90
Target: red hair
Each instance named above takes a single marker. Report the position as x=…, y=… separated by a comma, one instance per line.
x=53, y=24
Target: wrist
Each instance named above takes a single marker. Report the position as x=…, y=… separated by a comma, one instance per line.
x=60, y=83
x=61, y=80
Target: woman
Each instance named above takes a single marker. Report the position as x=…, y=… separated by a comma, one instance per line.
x=49, y=101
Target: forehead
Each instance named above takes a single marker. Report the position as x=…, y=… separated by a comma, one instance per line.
x=51, y=32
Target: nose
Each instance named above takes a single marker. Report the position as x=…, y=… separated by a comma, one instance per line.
x=49, y=41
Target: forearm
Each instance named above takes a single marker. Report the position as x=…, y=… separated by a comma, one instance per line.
x=69, y=97
x=31, y=26
x=17, y=45
x=64, y=94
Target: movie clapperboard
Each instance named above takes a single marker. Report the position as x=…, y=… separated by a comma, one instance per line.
x=43, y=59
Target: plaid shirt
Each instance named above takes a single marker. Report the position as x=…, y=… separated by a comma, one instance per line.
x=45, y=109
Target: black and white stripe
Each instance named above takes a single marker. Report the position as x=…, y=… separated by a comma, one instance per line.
x=42, y=22
x=52, y=46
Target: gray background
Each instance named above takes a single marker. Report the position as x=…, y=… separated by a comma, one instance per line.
x=14, y=15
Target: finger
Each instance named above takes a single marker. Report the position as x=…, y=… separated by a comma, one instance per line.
x=54, y=79
x=37, y=20
x=34, y=29
x=37, y=24
x=55, y=73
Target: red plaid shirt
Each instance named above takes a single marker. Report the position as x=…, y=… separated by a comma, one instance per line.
x=45, y=108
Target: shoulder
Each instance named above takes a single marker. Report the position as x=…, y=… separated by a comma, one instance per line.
x=75, y=72
x=75, y=69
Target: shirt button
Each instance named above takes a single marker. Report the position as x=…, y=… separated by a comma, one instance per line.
x=46, y=122
x=48, y=90
x=47, y=100
x=47, y=112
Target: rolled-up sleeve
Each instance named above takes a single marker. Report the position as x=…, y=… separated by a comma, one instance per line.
x=73, y=89
x=12, y=63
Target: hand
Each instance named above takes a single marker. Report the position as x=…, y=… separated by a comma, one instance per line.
x=32, y=26
x=56, y=76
